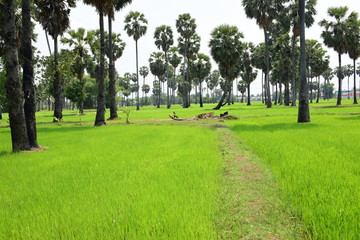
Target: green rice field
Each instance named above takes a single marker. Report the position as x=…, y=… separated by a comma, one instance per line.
x=161, y=179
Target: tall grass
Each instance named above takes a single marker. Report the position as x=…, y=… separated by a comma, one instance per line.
x=114, y=182
x=316, y=165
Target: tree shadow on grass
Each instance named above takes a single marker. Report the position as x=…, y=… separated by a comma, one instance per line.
x=273, y=127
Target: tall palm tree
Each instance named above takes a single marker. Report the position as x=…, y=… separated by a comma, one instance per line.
x=14, y=93
x=110, y=8
x=201, y=69
x=226, y=49
x=335, y=37
x=100, y=110
x=264, y=11
x=303, y=113
x=28, y=74
x=291, y=20
x=186, y=26
x=157, y=68
x=163, y=40
x=353, y=35
x=77, y=40
x=53, y=15
x=136, y=26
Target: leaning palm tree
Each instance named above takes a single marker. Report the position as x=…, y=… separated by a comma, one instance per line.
x=28, y=74
x=136, y=26
x=335, y=37
x=264, y=11
x=110, y=8
x=53, y=15
x=226, y=49
x=100, y=110
x=163, y=40
x=353, y=35
x=303, y=113
x=14, y=94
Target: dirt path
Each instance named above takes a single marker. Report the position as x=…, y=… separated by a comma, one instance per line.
x=249, y=203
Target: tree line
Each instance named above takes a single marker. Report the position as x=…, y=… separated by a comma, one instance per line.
x=92, y=55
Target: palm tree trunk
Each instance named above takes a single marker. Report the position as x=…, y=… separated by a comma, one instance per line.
x=277, y=96
x=262, y=86
x=355, y=100
x=348, y=87
x=318, y=90
x=137, y=78
x=287, y=94
x=293, y=83
x=112, y=88
x=196, y=102
x=100, y=111
x=340, y=81
x=14, y=94
x=167, y=81
x=304, y=113
x=267, y=81
x=47, y=41
x=248, y=97
x=57, y=85
x=220, y=104
x=201, y=99
x=28, y=75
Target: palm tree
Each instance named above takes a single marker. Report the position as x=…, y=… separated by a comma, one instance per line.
x=291, y=19
x=14, y=93
x=114, y=49
x=146, y=89
x=135, y=26
x=201, y=69
x=53, y=15
x=157, y=68
x=100, y=110
x=77, y=41
x=264, y=11
x=304, y=113
x=186, y=26
x=248, y=75
x=354, y=43
x=163, y=40
x=110, y=8
x=226, y=49
x=335, y=37
x=144, y=71
x=28, y=74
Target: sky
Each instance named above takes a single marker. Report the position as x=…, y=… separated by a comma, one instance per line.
x=208, y=14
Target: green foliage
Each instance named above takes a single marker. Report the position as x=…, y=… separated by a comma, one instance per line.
x=73, y=188
x=157, y=63
x=54, y=15
x=335, y=32
x=135, y=25
x=163, y=37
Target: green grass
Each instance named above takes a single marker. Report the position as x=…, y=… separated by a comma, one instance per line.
x=316, y=165
x=171, y=180
x=115, y=182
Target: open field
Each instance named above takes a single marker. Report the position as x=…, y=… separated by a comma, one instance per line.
x=186, y=180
